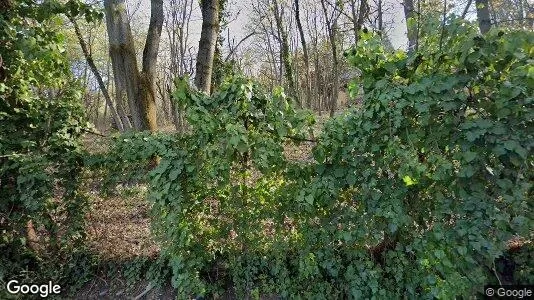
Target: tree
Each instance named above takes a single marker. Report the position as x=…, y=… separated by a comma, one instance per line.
x=412, y=32
x=100, y=81
x=483, y=15
x=305, y=53
x=138, y=85
x=518, y=14
x=363, y=12
x=177, y=26
x=331, y=25
x=207, y=44
x=284, y=49
x=268, y=35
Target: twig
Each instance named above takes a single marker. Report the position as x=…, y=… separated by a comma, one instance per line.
x=95, y=133
x=147, y=289
x=466, y=9
x=233, y=50
x=296, y=138
x=496, y=275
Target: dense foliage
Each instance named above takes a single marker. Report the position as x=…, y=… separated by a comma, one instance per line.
x=413, y=194
x=207, y=195
x=41, y=122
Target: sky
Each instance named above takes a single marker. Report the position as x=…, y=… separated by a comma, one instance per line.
x=394, y=15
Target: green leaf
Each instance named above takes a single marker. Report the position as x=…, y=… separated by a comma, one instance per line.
x=351, y=179
x=408, y=181
x=510, y=144
x=469, y=156
x=309, y=199
x=339, y=172
x=177, y=170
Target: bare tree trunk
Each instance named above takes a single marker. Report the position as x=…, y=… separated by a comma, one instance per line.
x=354, y=16
x=284, y=51
x=138, y=85
x=160, y=89
x=122, y=53
x=150, y=57
x=409, y=17
x=206, y=47
x=331, y=24
x=177, y=27
x=466, y=9
x=98, y=104
x=94, y=69
x=105, y=118
x=363, y=12
x=483, y=15
x=270, y=48
x=316, y=63
x=380, y=17
x=305, y=53
x=358, y=16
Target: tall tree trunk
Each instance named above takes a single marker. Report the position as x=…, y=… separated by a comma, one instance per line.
x=177, y=27
x=284, y=51
x=276, y=76
x=316, y=63
x=208, y=41
x=105, y=118
x=354, y=16
x=335, y=73
x=409, y=16
x=362, y=13
x=98, y=105
x=150, y=57
x=123, y=59
x=483, y=15
x=331, y=25
x=380, y=13
x=94, y=69
x=138, y=85
x=305, y=53
x=358, y=16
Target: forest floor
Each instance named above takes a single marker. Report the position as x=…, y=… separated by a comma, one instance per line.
x=118, y=228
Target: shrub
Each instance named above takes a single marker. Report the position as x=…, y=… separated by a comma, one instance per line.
x=437, y=161
x=414, y=194
x=41, y=121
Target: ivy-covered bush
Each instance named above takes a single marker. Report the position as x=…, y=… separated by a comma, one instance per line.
x=414, y=194
x=128, y=158
x=218, y=193
x=438, y=161
x=41, y=121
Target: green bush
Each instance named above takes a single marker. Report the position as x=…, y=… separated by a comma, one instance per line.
x=414, y=194
x=129, y=158
x=440, y=156
x=41, y=122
